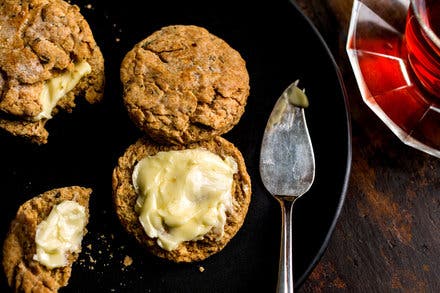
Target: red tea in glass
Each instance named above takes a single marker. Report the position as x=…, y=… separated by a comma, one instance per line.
x=423, y=43
x=398, y=72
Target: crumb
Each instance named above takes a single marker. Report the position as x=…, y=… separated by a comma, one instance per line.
x=201, y=269
x=117, y=40
x=89, y=247
x=127, y=261
x=89, y=6
x=91, y=259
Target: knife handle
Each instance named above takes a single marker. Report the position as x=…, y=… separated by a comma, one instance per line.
x=285, y=269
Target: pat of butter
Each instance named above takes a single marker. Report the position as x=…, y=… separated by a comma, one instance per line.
x=56, y=88
x=61, y=232
x=183, y=195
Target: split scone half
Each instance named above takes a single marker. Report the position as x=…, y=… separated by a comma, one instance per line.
x=45, y=238
x=48, y=57
x=183, y=203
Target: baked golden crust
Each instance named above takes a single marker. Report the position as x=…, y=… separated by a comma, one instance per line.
x=34, y=131
x=39, y=39
x=22, y=272
x=183, y=84
x=124, y=196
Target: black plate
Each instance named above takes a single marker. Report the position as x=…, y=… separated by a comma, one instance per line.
x=280, y=46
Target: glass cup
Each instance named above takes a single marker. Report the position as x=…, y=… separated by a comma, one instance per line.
x=394, y=50
x=423, y=44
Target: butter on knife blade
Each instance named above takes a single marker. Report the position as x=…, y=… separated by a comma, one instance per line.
x=292, y=95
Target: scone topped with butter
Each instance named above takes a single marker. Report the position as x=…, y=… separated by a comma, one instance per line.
x=183, y=203
x=48, y=56
x=183, y=84
x=45, y=238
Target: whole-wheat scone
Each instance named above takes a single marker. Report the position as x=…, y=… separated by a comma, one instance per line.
x=39, y=40
x=22, y=272
x=124, y=196
x=183, y=84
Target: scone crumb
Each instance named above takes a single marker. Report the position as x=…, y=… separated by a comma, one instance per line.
x=89, y=247
x=89, y=6
x=128, y=261
x=91, y=259
x=201, y=269
x=117, y=40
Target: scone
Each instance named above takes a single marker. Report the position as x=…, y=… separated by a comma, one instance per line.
x=183, y=84
x=48, y=56
x=183, y=203
x=44, y=240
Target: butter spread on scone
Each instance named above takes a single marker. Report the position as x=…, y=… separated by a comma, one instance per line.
x=61, y=232
x=56, y=88
x=183, y=194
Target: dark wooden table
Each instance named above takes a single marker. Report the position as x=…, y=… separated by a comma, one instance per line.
x=388, y=235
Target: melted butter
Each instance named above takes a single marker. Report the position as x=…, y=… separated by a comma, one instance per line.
x=183, y=195
x=61, y=232
x=296, y=97
x=277, y=112
x=56, y=88
x=293, y=96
